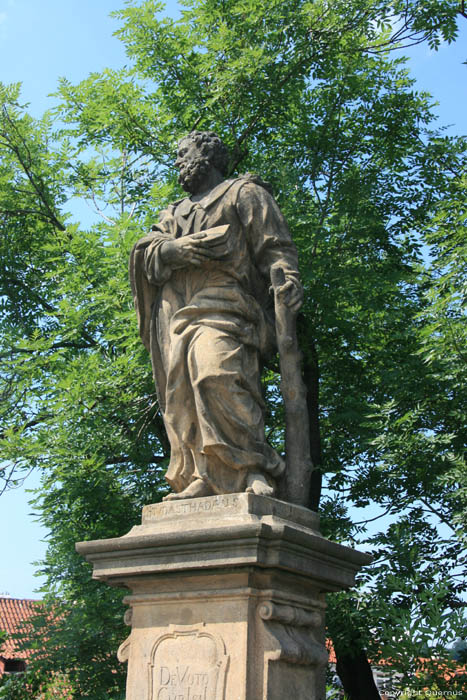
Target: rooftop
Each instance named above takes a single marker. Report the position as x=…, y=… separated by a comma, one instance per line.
x=14, y=616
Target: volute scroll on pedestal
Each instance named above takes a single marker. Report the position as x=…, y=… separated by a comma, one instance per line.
x=292, y=630
x=123, y=653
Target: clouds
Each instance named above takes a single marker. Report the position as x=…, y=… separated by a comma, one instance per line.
x=4, y=15
x=3, y=19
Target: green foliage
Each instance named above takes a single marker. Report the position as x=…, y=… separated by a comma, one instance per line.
x=308, y=95
x=78, y=398
x=38, y=686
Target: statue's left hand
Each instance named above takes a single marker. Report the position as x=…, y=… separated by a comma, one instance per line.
x=291, y=294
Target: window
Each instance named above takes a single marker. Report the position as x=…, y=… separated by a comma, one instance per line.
x=14, y=666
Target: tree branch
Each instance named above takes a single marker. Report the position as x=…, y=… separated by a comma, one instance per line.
x=54, y=346
x=19, y=283
x=41, y=188
x=30, y=424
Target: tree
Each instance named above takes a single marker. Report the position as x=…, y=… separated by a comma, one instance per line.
x=421, y=443
x=69, y=410
x=309, y=95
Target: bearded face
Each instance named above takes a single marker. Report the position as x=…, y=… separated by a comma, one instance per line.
x=193, y=172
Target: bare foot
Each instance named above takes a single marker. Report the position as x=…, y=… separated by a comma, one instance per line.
x=256, y=483
x=196, y=489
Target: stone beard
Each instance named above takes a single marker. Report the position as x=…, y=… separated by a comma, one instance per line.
x=208, y=326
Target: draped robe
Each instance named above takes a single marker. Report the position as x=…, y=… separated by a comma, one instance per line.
x=207, y=329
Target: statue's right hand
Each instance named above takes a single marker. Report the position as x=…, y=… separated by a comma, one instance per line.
x=188, y=250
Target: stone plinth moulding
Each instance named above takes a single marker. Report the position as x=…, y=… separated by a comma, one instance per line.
x=227, y=598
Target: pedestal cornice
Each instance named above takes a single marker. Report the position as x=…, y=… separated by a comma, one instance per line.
x=221, y=532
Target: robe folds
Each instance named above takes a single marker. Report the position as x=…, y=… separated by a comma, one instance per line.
x=207, y=329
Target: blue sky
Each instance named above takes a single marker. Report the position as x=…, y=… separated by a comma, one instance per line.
x=42, y=40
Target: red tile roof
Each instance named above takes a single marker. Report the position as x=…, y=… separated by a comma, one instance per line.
x=14, y=615
x=423, y=664
x=332, y=654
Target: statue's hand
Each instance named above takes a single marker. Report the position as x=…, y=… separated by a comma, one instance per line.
x=194, y=249
x=291, y=294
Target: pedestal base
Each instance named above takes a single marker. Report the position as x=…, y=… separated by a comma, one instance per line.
x=227, y=598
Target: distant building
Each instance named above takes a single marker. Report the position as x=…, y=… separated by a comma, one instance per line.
x=16, y=612
x=388, y=681
x=14, y=616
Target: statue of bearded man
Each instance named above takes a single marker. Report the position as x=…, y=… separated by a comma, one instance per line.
x=206, y=317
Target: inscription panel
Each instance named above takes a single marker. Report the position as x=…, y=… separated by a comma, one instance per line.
x=195, y=506
x=231, y=504
x=188, y=663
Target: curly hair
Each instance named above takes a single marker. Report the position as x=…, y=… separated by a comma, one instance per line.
x=210, y=146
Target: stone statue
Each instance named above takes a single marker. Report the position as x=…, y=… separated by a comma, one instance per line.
x=201, y=283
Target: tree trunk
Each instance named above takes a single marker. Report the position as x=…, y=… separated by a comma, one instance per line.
x=311, y=380
x=356, y=676
x=353, y=670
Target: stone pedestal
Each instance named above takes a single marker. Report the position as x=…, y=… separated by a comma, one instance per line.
x=227, y=598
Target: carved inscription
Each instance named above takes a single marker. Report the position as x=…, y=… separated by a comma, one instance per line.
x=188, y=663
x=182, y=683
x=212, y=504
